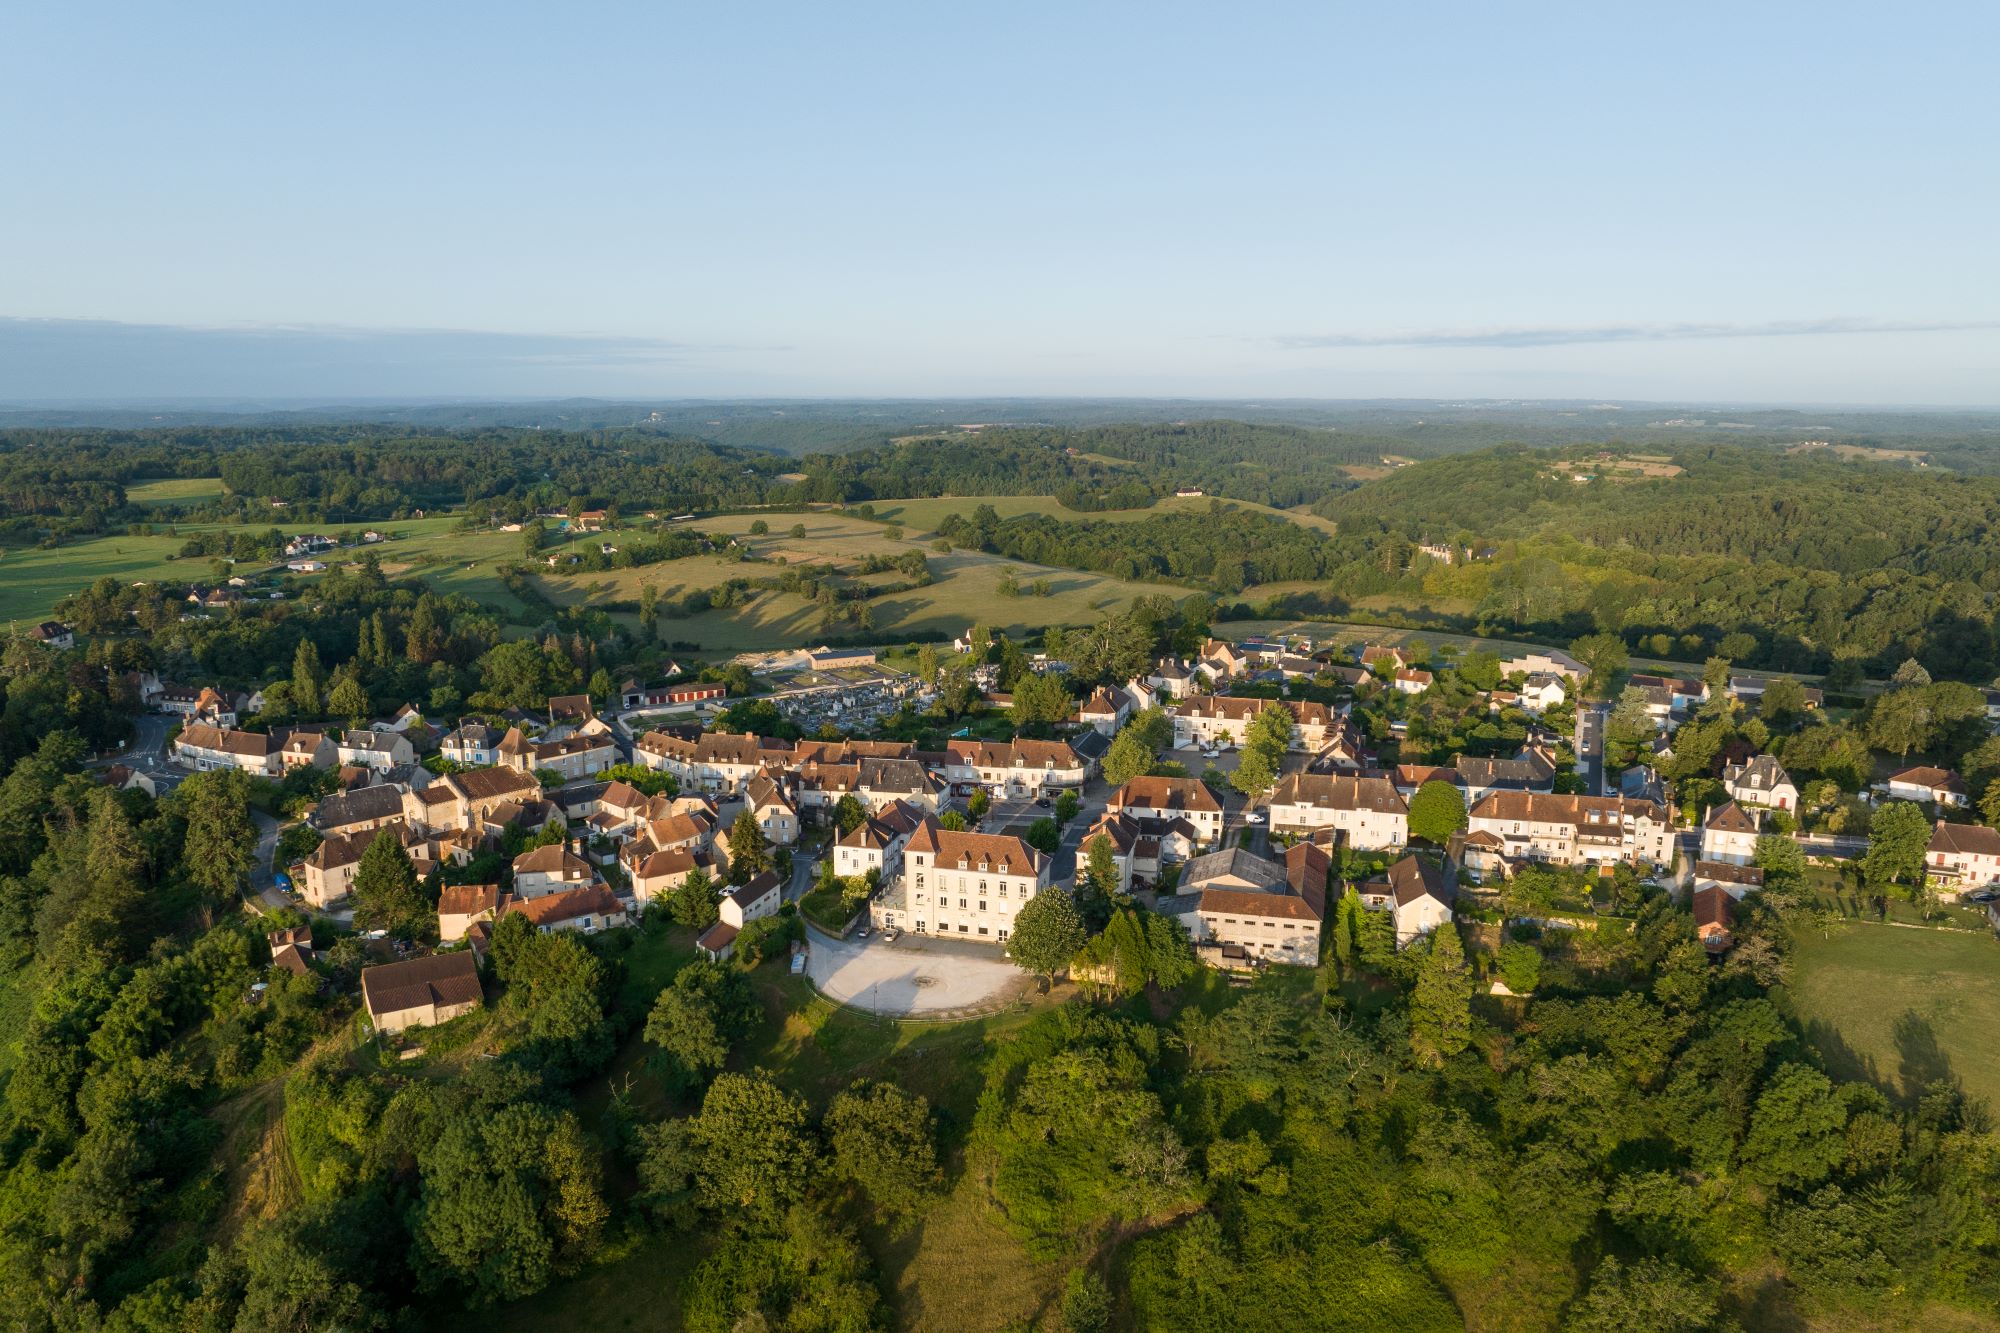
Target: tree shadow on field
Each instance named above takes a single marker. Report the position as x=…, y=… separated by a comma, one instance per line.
x=1841, y=1059
x=1920, y=1060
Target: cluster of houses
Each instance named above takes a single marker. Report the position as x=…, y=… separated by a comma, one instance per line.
x=544, y=779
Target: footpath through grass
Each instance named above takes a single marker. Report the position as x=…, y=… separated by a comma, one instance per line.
x=1901, y=1006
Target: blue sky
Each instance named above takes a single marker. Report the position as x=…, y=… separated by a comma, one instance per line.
x=1727, y=202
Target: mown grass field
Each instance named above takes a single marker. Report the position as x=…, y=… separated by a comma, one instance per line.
x=176, y=492
x=33, y=579
x=1900, y=1005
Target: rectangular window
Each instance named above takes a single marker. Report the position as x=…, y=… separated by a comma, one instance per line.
x=982, y=907
x=962, y=928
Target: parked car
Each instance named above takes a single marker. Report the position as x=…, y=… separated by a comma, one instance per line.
x=1044, y=802
x=1254, y=817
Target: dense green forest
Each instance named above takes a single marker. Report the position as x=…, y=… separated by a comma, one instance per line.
x=1223, y=550
x=74, y=480
x=1648, y=1139
x=1826, y=565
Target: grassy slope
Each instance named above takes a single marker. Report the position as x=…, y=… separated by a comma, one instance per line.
x=966, y=587
x=1893, y=1002
x=33, y=580
x=175, y=492
x=953, y=1271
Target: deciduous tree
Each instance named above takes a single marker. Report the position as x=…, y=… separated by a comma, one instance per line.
x=1047, y=932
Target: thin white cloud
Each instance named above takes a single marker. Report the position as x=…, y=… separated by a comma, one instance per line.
x=1570, y=336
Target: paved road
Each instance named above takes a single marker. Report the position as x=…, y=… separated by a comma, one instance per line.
x=1070, y=850
x=804, y=868
x=147, y=751
x=263, y=873
x=1590, y=720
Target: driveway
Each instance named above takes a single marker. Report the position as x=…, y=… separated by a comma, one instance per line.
x=1590, y=728
x=916, y=977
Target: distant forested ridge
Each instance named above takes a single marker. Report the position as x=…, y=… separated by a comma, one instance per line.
x=1826, y=564
x=75, y=480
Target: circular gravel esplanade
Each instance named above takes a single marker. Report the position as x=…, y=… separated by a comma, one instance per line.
x=915, y=977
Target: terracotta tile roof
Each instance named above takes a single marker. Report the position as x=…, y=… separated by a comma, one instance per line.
x=565, y=905
x=717, y=937
x=552, y=859
x=468, y=899
x=1713, y=907
x=673, y=861
x=1165, y=793
x=1020, y=753
x=1541, y=807
x=1238, y=902
x=1729, y=818
x=1964, y=840
x=1221, y=706
x=251, y=744
x=998, y=852
x=340, y=850
x=621, y=795
x=1416, y=877
x=1938, y=779
x=442, y=979
x=1726, y=872
x=485, y=784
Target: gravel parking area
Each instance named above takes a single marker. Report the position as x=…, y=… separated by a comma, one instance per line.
x=916, y=977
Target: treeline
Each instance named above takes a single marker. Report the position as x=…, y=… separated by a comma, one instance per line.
x=75, y=480
x=1806, y=563
x=1108, y=467
x=1223, y=549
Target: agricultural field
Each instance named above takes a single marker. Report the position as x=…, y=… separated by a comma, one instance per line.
x=966, y=589
x=1901, y=1006
x=176, y=492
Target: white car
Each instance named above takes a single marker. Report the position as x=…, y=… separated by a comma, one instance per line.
x=1254, y=817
